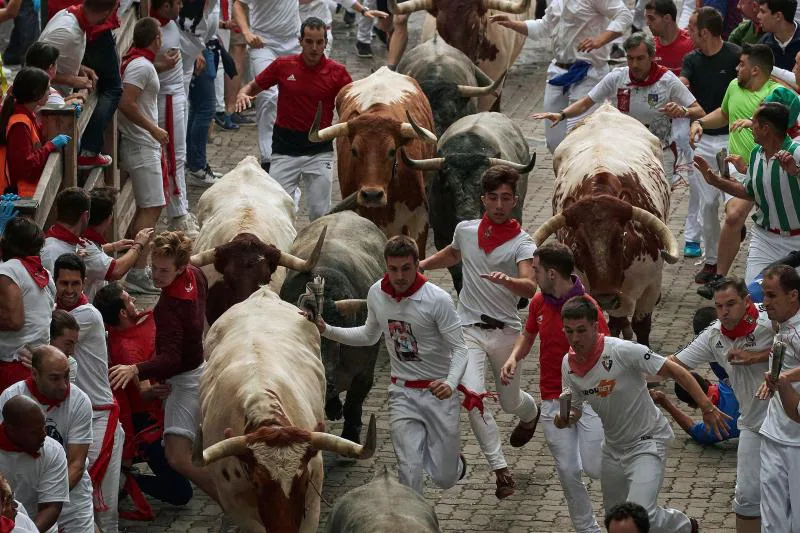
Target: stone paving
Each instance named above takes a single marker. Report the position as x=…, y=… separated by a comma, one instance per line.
x=699, y=480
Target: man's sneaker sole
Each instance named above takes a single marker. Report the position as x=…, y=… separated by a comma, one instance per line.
x=197, y=182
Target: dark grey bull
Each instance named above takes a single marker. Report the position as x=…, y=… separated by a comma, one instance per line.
x=469, y=147
x=351, y=262
x=449, y=79
x=382, y=505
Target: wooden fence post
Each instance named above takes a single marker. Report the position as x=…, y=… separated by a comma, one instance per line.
x=59, y=120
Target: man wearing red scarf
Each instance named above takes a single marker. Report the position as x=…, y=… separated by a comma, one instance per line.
x=36, y=463
x=428, y=357
x=496, y=256
x=13, y=516
x=68, y=420
x=27, y=294
x=609, y=374
x=740, y=342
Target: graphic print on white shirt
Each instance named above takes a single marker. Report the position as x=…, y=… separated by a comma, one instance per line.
x=405, y=344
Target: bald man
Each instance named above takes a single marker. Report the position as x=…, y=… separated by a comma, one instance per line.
x=68, y=420
x=35, y=464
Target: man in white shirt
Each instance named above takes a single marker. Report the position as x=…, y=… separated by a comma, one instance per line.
x=428, y=357
x=12, y=511
x=740, y=342
x=68, y=420
x=608, y=373
x=496, y=255
x=271, y=30
x=105, y=453
x=645, y=90
x=780, y=443
x=35, y=464
x=142, y=140
x=27, y=295
x=581, y=32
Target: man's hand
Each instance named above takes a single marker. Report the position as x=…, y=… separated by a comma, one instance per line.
x=788, y=163
x=199, y=64
x=508, y=370
x=160, y=135
x=741, y=124
x=167, y=60
x=738, y=163
x=589, y=44
x=716, y=421
x=319, y=322
x=152, y=391
x=711, y=177
x=74, y=98
x=737, y=356
x=144, y=236
x=555, y=118
x=228, y=25
x=657, y=396
x=120, y=245
x=81, y=82
x=243, y=101
x=764, y=392
x=695, y=133
x=83, y=70
x=673, y=110
x=440, y=389
x=25, y=356
x=499, y=278
x=120, y=375
x=375, y=14
x=253, y=40
x=574, y=416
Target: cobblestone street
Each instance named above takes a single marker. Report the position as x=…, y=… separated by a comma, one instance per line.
x=699, y=481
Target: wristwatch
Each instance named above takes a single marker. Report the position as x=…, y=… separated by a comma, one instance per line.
x=363, y=10
x=562, y=116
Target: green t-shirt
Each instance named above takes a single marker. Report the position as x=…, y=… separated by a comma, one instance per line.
x=745, y=33
x=742, y=103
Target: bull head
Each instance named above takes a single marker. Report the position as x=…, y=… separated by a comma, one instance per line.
x=436, y=163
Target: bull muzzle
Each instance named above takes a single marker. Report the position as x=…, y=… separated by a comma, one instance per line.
x=372, y=197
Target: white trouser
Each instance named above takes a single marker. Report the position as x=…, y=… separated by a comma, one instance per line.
x=177, y=204
x=747, y=495
x=638, y=14
x=219, y=81
x=365, y=25
x=686, y=12
x=555, y=100
x=635, y=474
x=77, y=515
x=575, y=449
x=766, y=248
x=683, y=170
x=182, y=408
x=267, y=101
x=108, y=520
x=709, y=196
x=780, y=487
x=425, y=436
x=315, y=171
x=496, y=344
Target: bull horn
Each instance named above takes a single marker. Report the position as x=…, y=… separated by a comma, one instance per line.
x=203, y=258
x=411, y=130
x=421, y=164
x=338, y=445
x=350, y=307
x=347, y=204
x=470, y=91
x=654, y=224
x=304, y=265
x=410, y=6
x=225, y=448
x=507, y=6
x=553, y=224
x=519, y=167
x=328, y=134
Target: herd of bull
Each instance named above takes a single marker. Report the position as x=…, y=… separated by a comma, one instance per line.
x=411, y=148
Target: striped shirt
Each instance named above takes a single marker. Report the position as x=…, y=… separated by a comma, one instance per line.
x=776, y=194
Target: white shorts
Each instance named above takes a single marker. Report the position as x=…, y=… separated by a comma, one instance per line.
x=182, y=409
x=143, y=165
x=747, y=495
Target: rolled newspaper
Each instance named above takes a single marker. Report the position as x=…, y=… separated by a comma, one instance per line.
x=778, y=351
x=313, y=299
x=565, y=404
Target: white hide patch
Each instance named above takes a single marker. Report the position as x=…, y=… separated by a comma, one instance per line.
x=416, y=220
x=282, y=462
x=382, y=87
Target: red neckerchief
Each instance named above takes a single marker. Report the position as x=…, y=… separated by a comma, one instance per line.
x=82, y=300
x=184, y=287
x=38, y=273
x=41, y=398
x=6, y=524
x=94, y=236
x=134, y=53
x=655, y=74
x=7, y=445
x=387, y=287
x=60, y=232
x=80, y=14
x=581, y=369
x=713, y=394
x=161, y=20
x=745, y=326
x=491, y=235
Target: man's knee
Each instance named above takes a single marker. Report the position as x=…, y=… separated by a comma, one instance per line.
x=736, y=213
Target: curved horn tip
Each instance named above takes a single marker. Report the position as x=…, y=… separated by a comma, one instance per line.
x=368, y=450
x=668, y=258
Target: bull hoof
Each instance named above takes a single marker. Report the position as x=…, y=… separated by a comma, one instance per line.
x=333, y=408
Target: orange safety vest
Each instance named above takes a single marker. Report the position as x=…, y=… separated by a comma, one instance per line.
x=25, y=188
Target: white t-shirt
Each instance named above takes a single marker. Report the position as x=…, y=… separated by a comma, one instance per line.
x=617, y=390
x=91, y=352
x=643, y=103
x=22, y=522
x=422, y=334
x=141, y=74
x=480, y=296
x=777, y=426
x=96, y=260
x=171, y=81
x=38, y=306
x=712, y=345
x=64, y=32
x=69, y=423
x=274, y=19
x=37, y=480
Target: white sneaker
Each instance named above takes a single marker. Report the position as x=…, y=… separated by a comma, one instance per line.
x=139, y=282
x=186, y=223
x=204, y=177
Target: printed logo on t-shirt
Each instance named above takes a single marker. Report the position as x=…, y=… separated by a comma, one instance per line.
x=405, y=344
x=52, y=431
x=652, y=100
x=603, y=389
x=291, y=78
x=607, y=362
x=719, y=344
x=749, y=340
x=624, y=100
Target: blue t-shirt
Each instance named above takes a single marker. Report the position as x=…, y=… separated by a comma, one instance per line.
x=728, y=405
